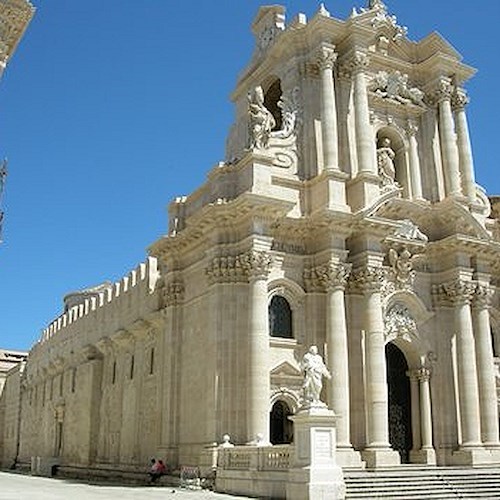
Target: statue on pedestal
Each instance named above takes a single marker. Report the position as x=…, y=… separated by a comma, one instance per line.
x=314, y=370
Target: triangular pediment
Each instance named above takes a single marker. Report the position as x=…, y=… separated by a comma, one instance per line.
x=285, y=369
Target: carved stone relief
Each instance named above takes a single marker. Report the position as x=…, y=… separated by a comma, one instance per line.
x=399, y=323
x=395, y=87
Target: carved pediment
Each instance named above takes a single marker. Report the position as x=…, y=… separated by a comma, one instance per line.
x=286, y=370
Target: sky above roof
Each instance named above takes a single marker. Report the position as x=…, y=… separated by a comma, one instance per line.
x=111, y=109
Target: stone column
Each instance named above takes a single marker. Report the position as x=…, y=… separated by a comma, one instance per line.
x=486, y=370
x=365, y=142
x=334, y=277
x=424, y=375
x=415, y=177
x=460, y=293
x=259, y=384
x=326, y=59
x=460, y=100
x=447, y=136
x=378, y=451
x=415, y=410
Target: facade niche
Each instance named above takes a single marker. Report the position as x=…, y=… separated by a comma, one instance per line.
x=280, y=318
x=391, y=160
x=272, y=98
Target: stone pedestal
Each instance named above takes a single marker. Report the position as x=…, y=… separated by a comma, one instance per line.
x=314, y=473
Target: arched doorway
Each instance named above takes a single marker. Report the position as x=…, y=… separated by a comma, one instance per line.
x=281, y=425
x=400, y=435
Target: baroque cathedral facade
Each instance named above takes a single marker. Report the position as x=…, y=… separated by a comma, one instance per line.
x=345, y=215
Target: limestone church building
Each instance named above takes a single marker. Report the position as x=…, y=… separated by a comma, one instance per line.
x=345, y=215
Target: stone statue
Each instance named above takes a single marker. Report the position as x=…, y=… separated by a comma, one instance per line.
x=385, y=162
x=410, y=231
x=314, y=370
x=262, y=121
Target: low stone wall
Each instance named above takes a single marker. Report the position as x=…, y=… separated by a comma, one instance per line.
x=256, y=471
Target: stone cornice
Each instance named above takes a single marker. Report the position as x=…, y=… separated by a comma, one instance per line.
x=15, y=15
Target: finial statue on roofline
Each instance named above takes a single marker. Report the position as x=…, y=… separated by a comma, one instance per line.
x=376, y=4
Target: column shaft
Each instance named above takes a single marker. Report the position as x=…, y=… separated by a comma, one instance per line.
x=416, y=179
x=365, y=141
x=467, y=377
x=486, y=377
x=465, y=154
x=259, y=386
x=449, y=148
x=376, y=376
x=336, y=338
x=415, y=412
x=329, y=119
x=425, y=412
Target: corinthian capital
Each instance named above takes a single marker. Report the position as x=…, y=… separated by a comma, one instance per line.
x=460, y=99
x=257, y=264
x=356, y=63
x=326, y=57
x=173, y=293
x=482, y=296
x=442, y=90
x=455, y=292
x=368, y=279
x=327, y=277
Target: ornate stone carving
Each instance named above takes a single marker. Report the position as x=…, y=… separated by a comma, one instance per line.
x=460, y=99
x=281, y=144
x=227, y=269
x=357, y=63
x=367, y=279
x=410, y=231
x=257, y=264
x=326, y=57
x=261, y=120
x=399, y=323
x=395, y=87
x=239, y=268
x=173, y=293
x=402, y=271
x=443, y=90
x=483, y=296
x=329, y=276
x=455, y=292
x=382, y=18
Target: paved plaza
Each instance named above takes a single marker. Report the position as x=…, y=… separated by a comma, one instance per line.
x=20, y=487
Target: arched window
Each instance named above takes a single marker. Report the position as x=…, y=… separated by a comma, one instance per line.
x=280, y=318
x=271, y=99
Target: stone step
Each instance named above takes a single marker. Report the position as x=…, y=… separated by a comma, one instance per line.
x=417, y=483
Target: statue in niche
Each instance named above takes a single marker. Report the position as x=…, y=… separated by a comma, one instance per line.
x=385, y=162
x=262, y=121
x=314, y=370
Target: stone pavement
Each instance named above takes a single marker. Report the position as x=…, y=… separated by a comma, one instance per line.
x=20, y=487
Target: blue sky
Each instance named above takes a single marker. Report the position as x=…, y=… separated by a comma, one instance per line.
x=109, y=109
